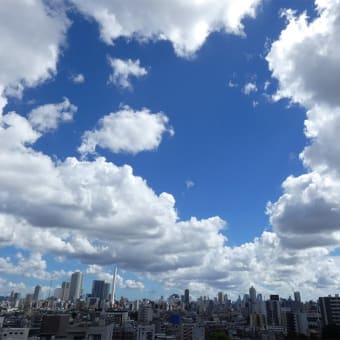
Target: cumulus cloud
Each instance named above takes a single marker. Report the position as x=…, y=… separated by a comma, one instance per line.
x=100, y=272
x=78, y=78
x=127, y=131
x=123, y=70
x=95, y=211
x=249, y=88
x=47, y=117
x=306, y=62
x=186, y=24
x=33, y=266
x=28, y=51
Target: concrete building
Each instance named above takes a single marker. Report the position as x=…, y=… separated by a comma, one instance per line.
x=37, y=293
x=65, y=288
x=14, y=333
x=146, y=332
x=145, y=314
x=186, y=297
x=191, y=331
x=273, y=311
x=76, y=286
x=297, y=297
x=220, y=299
x=330, y=310
x=98, y=289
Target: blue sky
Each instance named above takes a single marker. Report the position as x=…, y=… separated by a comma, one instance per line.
x=157, y=144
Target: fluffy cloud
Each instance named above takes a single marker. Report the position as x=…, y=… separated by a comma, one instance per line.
x=78, y=78
x=31, y=36
x=305, y=58
x=127, y=131
x=100, y=273
x=100, y=213
x=54, y=206
x=123, y=70
x=49, y=116
x=34, y=266
x=306, y=62
x=249, y=88
x=187, y=24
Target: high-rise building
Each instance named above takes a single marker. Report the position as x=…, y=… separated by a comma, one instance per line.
x=186, y=297
x=106, y=293
x=37, y=292
x=220, y=298
x=273, y=309
x=98, y=289
x=76, y=286
x=252, y=300
x=297, y=297
x=65, y=291
x=252, y=294
x=330, y=307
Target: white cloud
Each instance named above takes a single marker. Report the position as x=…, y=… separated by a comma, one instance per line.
x=101, y=214
x=127, y=131
x=33, y=267
x=232, y=84
x=78, y=78
x=100, y=273
x=28, y=51
x=249, y=88
x=306, y=62
x=266, y=85
x=49, y=116
x=186, y=24
x=123, y=70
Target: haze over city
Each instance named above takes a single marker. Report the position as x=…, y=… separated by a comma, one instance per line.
x=194, y=144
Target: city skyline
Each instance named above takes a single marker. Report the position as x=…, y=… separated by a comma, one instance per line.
x=194, y=147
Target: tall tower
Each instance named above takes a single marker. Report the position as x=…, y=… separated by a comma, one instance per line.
x=220, y=298
x=36, y=294
x=65, y=294
x=76, y=285
x=113, y=293
x=297, y=297
x=252, y=294
x=186, y=297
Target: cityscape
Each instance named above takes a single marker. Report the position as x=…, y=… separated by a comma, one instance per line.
x=169, y=169
x=70, y=313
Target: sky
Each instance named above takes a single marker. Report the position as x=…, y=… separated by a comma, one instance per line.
x=191, y=143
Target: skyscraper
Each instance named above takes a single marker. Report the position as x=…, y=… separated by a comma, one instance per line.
x=220, y=298
x=186, y=297
x=65, y=291
x=252, y=294
x=76, y=285
x=37, y=292
x=106, y=291
x=98, y=287
x=297, y=297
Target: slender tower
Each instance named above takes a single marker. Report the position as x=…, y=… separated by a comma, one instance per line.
x=113, y=293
